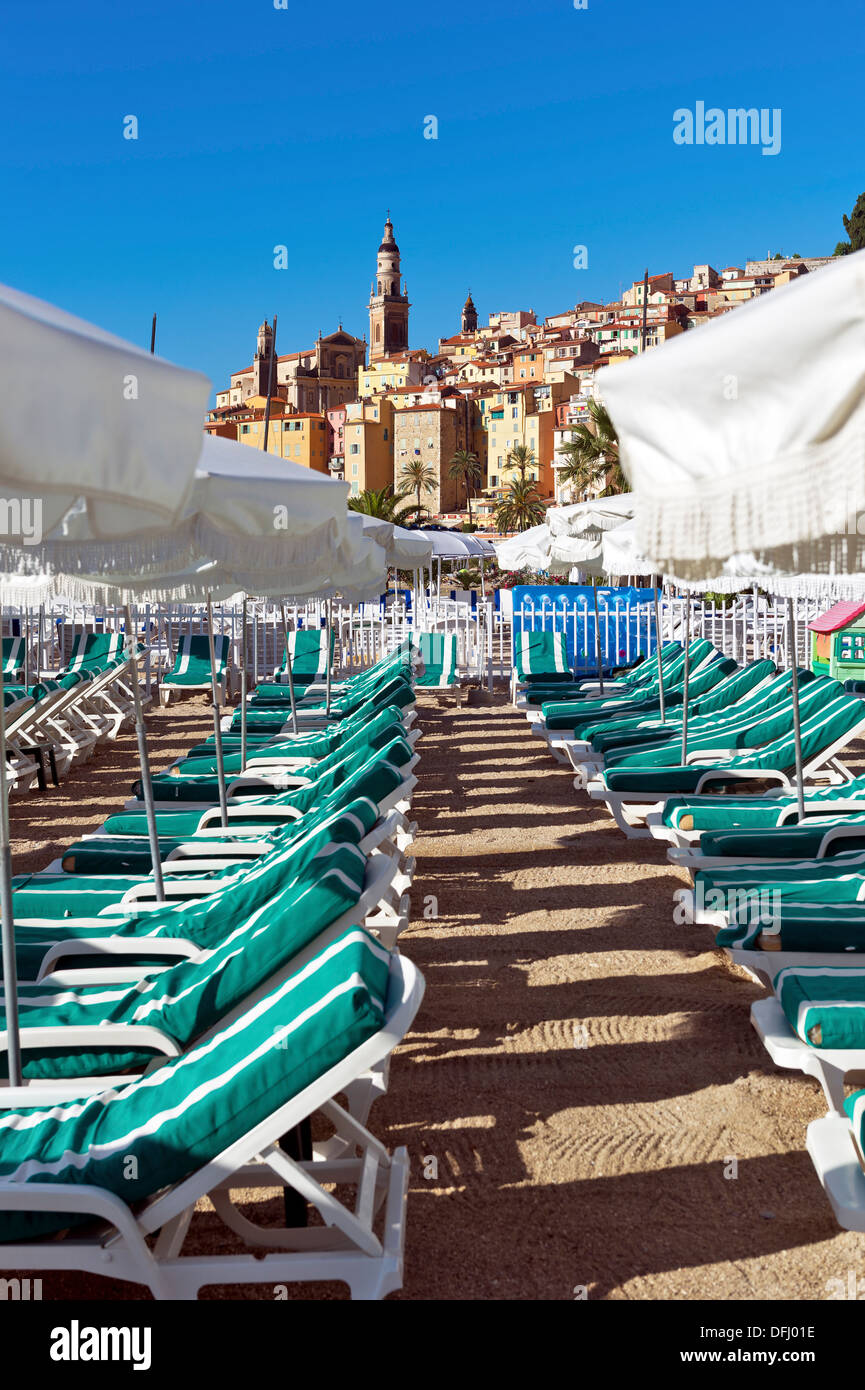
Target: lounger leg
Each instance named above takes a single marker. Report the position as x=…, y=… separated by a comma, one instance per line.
x=297, y=1143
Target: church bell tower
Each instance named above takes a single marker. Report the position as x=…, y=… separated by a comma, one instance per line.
x=388, y=302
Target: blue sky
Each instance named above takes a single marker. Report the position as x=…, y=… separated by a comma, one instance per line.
x=260, y=127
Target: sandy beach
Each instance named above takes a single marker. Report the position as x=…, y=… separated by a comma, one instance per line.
x=587, y=1109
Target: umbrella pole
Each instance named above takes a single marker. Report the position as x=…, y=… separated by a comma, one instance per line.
x=10, y=969
x=144, y=764
x=26, y=649
x=243, y=712
x=686, y=679
x=329, y=612
x=598, y=641
x=217, y=724
x=797, y=728
x=660, y=662
x=290, y=672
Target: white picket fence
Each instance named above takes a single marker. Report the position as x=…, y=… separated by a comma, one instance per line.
x=745, y=630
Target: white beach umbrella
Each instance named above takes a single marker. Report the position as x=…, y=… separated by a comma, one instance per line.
x=123, y=456
x=749, y=436
x=124, y=426
x=526, y=550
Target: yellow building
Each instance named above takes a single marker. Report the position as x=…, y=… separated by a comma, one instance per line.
x=301, y=438
x=369, y=445
x=389, y=372
x=513, y=417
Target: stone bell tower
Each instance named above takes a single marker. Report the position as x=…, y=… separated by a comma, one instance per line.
x=388, y=302
x=261, y=361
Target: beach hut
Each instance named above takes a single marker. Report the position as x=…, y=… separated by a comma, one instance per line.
x=838, y=642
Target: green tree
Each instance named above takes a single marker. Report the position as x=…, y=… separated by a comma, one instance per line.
x=383, y=503
x=854, y=226
x=594, y=453
x=581, y=471
x=521, y=507
x=465, y=467
x=522, y=458
x=417, y=477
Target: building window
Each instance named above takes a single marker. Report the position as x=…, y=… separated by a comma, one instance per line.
x=385, y=432
x=354, y=470
x=353, y=449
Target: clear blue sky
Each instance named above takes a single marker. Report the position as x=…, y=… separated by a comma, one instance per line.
x=260, y=126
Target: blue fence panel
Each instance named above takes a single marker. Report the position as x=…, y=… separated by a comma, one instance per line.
x=626, y=616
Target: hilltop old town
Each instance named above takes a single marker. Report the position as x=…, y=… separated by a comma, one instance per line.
x=509, y=396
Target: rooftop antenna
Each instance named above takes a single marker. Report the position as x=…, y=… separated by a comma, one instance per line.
x=153, y=335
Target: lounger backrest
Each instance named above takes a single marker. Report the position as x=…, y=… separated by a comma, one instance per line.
x=821, y=728
x=310, y=652
x=95, y=651
x=13, y=655
x=180, y=1117
x=540, y=654
x=438, y=652
x=192, y=663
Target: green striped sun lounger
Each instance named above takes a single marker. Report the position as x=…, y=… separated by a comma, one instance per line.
x=113, y=1020
x=438, y=652
x=578, y=701
x=311, y=651
x=305, y=749
x=13, y=658
x=138, y=1157
x=396, y=691
x=541, y=656
x=832, y=721
x=203, y=789
x=814, y=1024
x=376, y=775
x=685, y=818
x=192, y=669
x=95, y=651
x=130, y=855
x=114, y=907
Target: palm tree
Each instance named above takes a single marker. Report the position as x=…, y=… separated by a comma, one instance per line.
x=594, y=452
x=520, y=508
x=580, y=471
x=382, y=503
x=466, y=467
x=417, y=476
x=522, y=458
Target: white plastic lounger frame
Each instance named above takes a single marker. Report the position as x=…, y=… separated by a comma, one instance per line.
x=348, y=1248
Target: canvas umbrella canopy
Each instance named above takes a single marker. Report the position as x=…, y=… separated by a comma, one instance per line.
x=131, y=422
x=528, y=550
x=750, y=437
x=748, y=440
x=124, y=459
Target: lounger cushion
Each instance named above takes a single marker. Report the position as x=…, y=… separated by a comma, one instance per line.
x=192, y=663
x=540, y=654
x=824, y=1006
x=779, y=842
x=438, y=652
